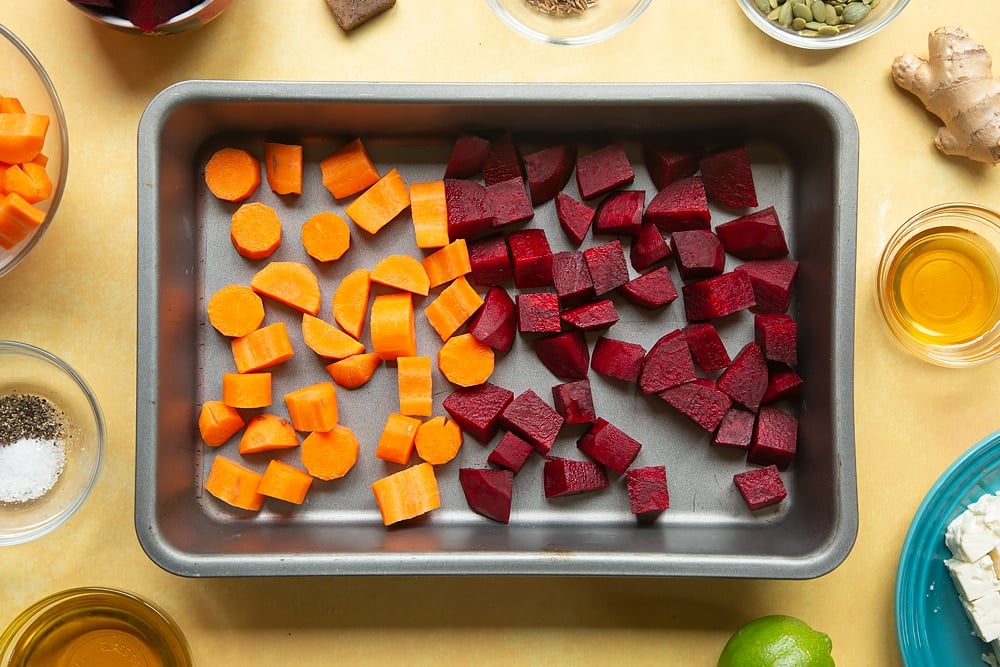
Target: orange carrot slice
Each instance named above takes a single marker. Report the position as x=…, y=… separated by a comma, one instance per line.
x=255, y=230
x=284, y=482
x=413, y=377
x=380, y=204
x=438, y=440
x=218, y=422
x=348, y=170
x=232, y=174
x=246, y=390
x=235, y=310
x=393, y=329
x=327, y=340
x=22, y=136
x=262, y=348
x=407, y=494
x=233, y=484
x=30, y=180
x=403, y=273
x=314, y=407
x=18, y=218
x=396, y=442
x=283, y=168
x=330, y=454
x=354, y=372
x=326, y=237
x=430, y=214
x=465, y=361
x=267, y=432
x=448, y=263
x=11, y=105
x=350, y=301
x=290, y=283
x=454, y=305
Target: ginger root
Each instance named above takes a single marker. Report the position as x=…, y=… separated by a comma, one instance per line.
x=956, y=84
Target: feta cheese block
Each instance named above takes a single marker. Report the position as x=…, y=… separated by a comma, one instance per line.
x=985, y=615
x=973, y=580
x=969, y=537
x=973, y=538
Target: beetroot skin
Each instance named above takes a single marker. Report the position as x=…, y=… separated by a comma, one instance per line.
x=511, y=452
x=488, y=491
x=772, y=282
x=538, y=312
x=548, y=171
x=706, y=346
x=717, y=296
x=666, y=164
x=680, y=206
x=574, y=217
x=571, y=277
x=609, y=446
x=761, y=487
x=650, y=290
x=467, y=156
x=617, y=359
x=503, y=162
x=469, y=206
x=565, y=354
x=668, y=364
x=756, y=235
x=574, y=401
x=620, y=213
x=647, y=491
x=490, y=261
x=699, y=254
x=592, y=316
x=607, y=267
x=534, y=420
x=566, y=477
x=495, y=323
x=531, y=256
x=699, y=400
x=777, y=335
x=745, y=379
x=728, y=178
x=648, y=248
x=603, y=170
x=477, y=409
x=774, y=439
x=510, y=202
x=735, y=430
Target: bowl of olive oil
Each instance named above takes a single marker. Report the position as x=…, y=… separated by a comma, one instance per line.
x=939, y=284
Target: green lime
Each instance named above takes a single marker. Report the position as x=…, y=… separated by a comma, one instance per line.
x=777, y=641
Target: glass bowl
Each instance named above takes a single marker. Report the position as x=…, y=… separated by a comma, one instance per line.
x=193, y=18
x=35, y=496
x=938, y=284
x=94, y=626
x=879, y=15
x=598, y=21
x=24, y=77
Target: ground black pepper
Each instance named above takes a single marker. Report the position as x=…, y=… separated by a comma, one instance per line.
x=27, y=416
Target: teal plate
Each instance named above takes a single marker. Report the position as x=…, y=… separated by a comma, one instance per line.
x=931, y=626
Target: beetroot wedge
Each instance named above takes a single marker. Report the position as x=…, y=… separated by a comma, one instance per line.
x=728, y=178
x=574, y=401
x=603, y=170
x=565, y=354
x=647, y=491
x=735, y=430
x=538, y=312
x=532, y=257
x=503, y=161
x=609, y=446
x=667, y=364
x=680, y=206
x=571, y=278
x=775, y=438
x=772, y=282
x=548, y=171
x=648, y=248
x=706, y=346
x=477, y=409
x=783, y=383
x=718, y=296
x=777, y=335
x=566, y=477
x=488, y=491
x=699, y=254
x=534, y=420
x=761, y=487
x=575, y=217
x=490, y=261
x=618, y=359
x=620, y=213
x=467, y=156
x=510, y=202
x=699, y=400
x=495, y=323
x=592, y=316
x=511, y=452
x=745, y=379
x=666, y=164
x=757, y=235
x=606, y=266
x=470, y=208
x=650, y=290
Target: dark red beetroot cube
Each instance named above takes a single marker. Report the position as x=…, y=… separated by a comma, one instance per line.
x=566, y=477
x=477, y=409
x=650, y=290
x=503, y=161
x=488, y=491
x=772, y=281
x=511, y=452
x=490, y=261
x=620, y=213
x=735, y=430
x=647, y=490
x=532, y=257
x=680, y=206
x=728, y=178
x=667, y=364
x=510, y=202
x=603, y=170
x=775, y=439
x=538, y=313
x=470, y=208
x=548, y=171
x=534, y=420
x=592, y=316
x=467, y=156
x=648, y=248
x=148, y=15
x=609, y=446
x=495, y=323
x=717, y=296
x=745, y=379
x=777, y=335
x=699, y=254
x=756, y=235
x=761, y=487
x=574, y=401
x=617, y=358
x=667, y=164
x=700, y=400
x=565, y=354
x=607, y=267
x=571, y=278
x=706, y=346
x=782, y=383
x=574, y=217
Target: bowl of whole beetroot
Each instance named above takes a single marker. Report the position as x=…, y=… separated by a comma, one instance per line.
x=152, y=17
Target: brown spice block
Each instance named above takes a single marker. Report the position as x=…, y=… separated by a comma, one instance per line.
x=349, y=14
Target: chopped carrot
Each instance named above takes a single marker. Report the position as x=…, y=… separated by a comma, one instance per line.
x=354, y=372
x=246, y=390
x=314, y=407
x=413, y=377
x=22, y=136
x=255, y=230
x=407, y=494
x=18, y=218
x=262, y=348
x=465, y=361
x=267, y=432
x=348, y=170
x=438, y=440
x=41, y=160
x=233, y=484
x=284, y=482
x=378, y=205
x=327, y=340
x=403, y=273
x=430, y=214
x=326, y=237
x=218, y=422
x=235, y=310
x=291, y=283
x=393, y=329
x=350, y=301
x=396, y=442
x=283, y=168
x=30, y=180
x=454, y=305
x=232, y=174
x=448, y=263
x=330, y=454
x=11, y=105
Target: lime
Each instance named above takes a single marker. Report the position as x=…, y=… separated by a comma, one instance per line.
x=777, y=641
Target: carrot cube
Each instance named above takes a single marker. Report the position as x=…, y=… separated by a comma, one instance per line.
x=233, y=484
x=407, y=493
x=414, y=380
x=262, y=348
x=397, y=440
x=313, y=408
x=284, y=482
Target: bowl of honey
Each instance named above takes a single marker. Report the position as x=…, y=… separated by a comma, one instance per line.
x=938, y=284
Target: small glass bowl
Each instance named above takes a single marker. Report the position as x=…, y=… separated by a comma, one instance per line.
x=877, y=19
x=599, y=21
x=193, y=18
x=938, y=284
x=94, y=626
x=24, y=77
x=25, y=369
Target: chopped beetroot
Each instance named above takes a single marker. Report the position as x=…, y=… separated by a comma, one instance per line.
x=706, y=346
x=745, y=379
x=603, y=170
x=490, y=261
x=699, y=400
x=538, y=312
x=503, y=161
x=761, y=487
x=467, y=156
x=511, y=452
x=650, y=290
x=574, y=217
x=772, y=281
x=469, y=206
x=668, y=364
x=777, y=335
x=620, y=213
x=510, y=202
x=617, y=358
x=680, y=206
x=718, y=296
x=757, y=235
x=488, y=491
x=532, y=257
x=565, y=354
x=783, y=383
x=574, y=401
x=774, y=439
x=728, y=178
x=548, y=171
x=666, y=164
x=592, y=316
x=609, y=446
x=607, y=267
x=148, y=15
x=647, y=491
x=571, y=278
x=699, y=254
x=495, y=323
x=477, y=409
x=534, y=420
x=735, y=430
x=648, y=248
x=566, y=477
